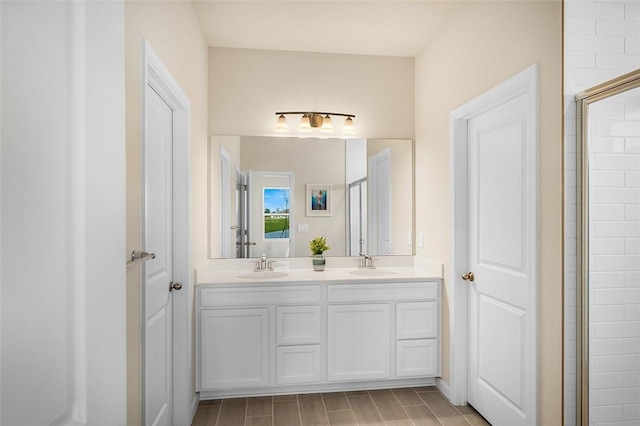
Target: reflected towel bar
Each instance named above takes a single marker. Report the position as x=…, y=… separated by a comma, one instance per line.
x=138, y=256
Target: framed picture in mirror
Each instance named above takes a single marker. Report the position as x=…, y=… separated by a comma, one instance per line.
x=318, y=200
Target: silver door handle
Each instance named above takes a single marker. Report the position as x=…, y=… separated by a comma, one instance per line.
x=175, y=286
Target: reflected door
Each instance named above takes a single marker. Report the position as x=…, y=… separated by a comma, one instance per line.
x=358, y=218
x=379, y=200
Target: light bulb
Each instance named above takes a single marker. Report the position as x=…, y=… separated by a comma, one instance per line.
x=348, y=126
x=327, y=126
x=282, y=127
x=305, y=124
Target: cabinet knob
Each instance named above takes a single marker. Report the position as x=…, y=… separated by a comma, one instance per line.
x=468, y=276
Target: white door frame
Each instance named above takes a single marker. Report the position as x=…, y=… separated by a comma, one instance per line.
x=524, y=82
x=158, y=77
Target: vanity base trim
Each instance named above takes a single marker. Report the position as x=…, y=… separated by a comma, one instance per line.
x=317, y=388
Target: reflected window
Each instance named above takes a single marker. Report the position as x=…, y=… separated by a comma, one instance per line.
x=276, y=213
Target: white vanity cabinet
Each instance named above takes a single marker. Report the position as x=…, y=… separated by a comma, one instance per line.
x=252, y=336
x=257, y=338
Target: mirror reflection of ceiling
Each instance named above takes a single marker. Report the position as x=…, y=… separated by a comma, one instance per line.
x=384, y=28
x=367, y=185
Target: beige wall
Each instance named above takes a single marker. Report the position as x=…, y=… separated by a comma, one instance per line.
x=173, y=31
x=485, y=44
x=247, y=87
x=325, y=167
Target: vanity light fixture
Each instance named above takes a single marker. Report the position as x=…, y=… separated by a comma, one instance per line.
x=315, y=120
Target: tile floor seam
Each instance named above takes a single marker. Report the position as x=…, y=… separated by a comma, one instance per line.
x=246, y=412
x=351, y=408
x=218, y=416
x=376, y=405
x=299, y=411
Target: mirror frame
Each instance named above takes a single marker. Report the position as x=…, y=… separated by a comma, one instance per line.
x=583, y=101
x=210, y=199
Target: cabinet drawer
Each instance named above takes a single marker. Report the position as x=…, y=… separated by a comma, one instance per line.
x=415, y=358
x=416, y=320
x=298, y=364
x=297, y=325
x=385, y=292
x=243, y=296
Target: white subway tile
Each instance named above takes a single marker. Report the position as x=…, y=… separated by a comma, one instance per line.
x=631, y=195
x=613, y=296
x=617, y=61
x=612, y=330
x=632, y=46
x=627, y=262
x=606, y=127
x=608, y=212
x=581, y=25
x=631, y=111
x=607, y=178
x=606, y=27
x=605, y=413
x=632, y=246
x=632, y=12
x=611, y=110
x=607, y=144
x=632, y=412
x=606, y=313
x=632, y=213
x=606, y=280
x=615, y=396
x=632, y=145
x=631, y=379
x=606, y=380
x=632, y=346
x=616, y=162
x=632, y=179
x=617, y=229
x=632, y=279
x=632, y=313
x=594, y=43
x=607, y=196
x=607, y=246
x=584, y=9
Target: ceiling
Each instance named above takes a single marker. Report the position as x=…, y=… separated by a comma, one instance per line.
x=385, y=28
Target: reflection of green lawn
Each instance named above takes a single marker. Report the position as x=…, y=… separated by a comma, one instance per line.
x=272, y=224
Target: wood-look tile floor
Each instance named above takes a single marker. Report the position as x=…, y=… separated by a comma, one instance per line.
x=395, y=407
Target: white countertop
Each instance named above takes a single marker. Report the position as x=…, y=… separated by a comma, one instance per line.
x=338, y=269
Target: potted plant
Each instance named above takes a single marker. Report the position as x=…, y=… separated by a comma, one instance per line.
x=318, y=246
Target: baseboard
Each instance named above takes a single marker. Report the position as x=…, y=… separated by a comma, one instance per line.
x=194, y=405
x=444, y=388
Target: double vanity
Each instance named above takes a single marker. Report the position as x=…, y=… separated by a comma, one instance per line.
x=293, y=330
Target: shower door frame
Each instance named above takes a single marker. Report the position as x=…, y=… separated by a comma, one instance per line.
x=584, y=99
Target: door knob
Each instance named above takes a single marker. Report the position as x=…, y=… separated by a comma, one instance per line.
x=468, y=276
x=175, y=286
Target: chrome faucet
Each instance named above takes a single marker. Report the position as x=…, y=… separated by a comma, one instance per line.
x=263, y=264
x=366, y=262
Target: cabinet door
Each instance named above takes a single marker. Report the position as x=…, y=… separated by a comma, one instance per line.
x=416, y=320
x=415, y=358
x=358, y=342
x=297, y=325
x=234, y=348
x=298, y=364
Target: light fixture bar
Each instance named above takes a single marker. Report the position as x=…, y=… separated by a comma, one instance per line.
x=314, y=112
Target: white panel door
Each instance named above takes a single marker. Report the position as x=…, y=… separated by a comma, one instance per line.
x=500, y=220
x=379, y=200
x=158, y=229
x=358, y=342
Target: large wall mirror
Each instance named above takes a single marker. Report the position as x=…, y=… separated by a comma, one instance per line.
x=608, y=183
x=272, y=195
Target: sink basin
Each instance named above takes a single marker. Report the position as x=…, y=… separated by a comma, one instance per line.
x=262, y=275
x=372, y=272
